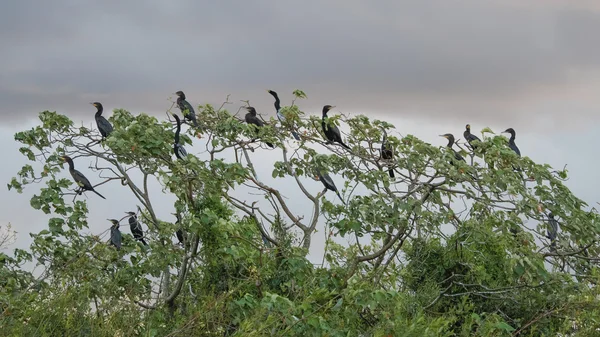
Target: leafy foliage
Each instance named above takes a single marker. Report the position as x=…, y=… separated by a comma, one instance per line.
x=447, y=248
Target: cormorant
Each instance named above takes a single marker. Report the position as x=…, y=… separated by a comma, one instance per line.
x=450, y=138
x=80, y=179
x=511, y=141
x=279, y=114
x=186, y=108
x=387, y=152
x=136, y=228
x=552, y=231
x=469, y=137
x=179, y=233
x=104, y=125
x=178, y=149
x=115, y=234
x=325, y=178
x=251, y=118
x=331, y=131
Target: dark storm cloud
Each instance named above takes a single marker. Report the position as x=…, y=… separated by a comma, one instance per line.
x=405, y=56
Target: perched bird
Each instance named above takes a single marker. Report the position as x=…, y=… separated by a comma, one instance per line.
x=186, y=108
x=279, y=114
x=450, y=138
x=511, y=141
x=325, y=178
x=331, y=131
x=104, y=125
x=469, y=137
x=251, y=118
x=387, y=152
x=136, y=228
x=178, y=149
x=79, y=178
x=179, y=233
x=552, y=231
x=115, y=234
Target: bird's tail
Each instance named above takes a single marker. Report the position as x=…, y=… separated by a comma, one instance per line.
x=101, y=196
x=339, y=196
x=391, y=172
x=270, y=144
x=296, y=135
x=344, y=145
x=143, y=242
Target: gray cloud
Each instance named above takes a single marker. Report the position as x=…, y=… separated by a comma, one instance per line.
x=437, y=58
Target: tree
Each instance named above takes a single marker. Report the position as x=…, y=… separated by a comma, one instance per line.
x=446, y=248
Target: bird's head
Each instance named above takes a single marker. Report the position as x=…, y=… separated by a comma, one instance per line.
x=130, y=213
x=97, y=105
x=250, y=110
x=509, y=130
x=468, y=127
x=114, y=221
x=180, y=94
x=271, y=92
x=326, y=108
x=448, y=136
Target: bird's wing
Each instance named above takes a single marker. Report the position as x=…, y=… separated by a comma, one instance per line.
x=254, y=120
x=327, y=181
x=104, y=124
x=185, y=105
x=181, y=150
x=81, y=180
x=472, y=137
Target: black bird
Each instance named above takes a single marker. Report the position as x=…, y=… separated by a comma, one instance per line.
x=511, y=141
x=251, y=118
x=331, y=131
x=179, y=233
x=279, y=114
x=325, y=178
x=115, y=234
x=80, y=179
x=450, y=138
x=186, y=108
x=136, y=228
x=552, y=231
x=469, y=137
x=104, y=125
x=387, y=152
x=178, y=149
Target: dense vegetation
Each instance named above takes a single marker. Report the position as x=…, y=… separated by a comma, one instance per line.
x=446, y=248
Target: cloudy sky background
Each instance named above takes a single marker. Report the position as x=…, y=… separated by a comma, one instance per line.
x=429, y=67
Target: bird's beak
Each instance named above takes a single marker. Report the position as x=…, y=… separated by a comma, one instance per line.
x=91, y=103
x=333, y=106
x=443, y=136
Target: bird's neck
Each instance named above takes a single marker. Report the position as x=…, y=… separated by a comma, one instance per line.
x=450, y=143
x=71, y=165
x=99, y=112
x=177, y=133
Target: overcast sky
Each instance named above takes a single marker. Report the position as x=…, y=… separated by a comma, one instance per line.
x=429, y=67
